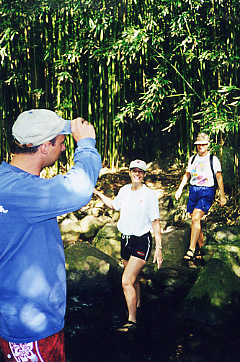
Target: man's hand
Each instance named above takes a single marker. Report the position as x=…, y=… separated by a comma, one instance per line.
x=81, y=129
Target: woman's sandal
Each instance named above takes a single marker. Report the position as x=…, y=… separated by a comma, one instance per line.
x=199, y=255
x=129, y=326
x=199, y=258
x=188, y=257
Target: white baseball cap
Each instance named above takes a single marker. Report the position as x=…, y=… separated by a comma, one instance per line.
x=36, y=126
x=139, y=164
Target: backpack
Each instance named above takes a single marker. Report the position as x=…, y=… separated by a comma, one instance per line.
x=211, y=164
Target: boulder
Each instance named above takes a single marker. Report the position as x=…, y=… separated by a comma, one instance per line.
x=175, y=242
x=69, y=228
x=223, y=234
x=108, y=240
x=177, y=209
x=89, y=226
x=86, y=264
x=215, y=297
x=72, y=229
x=172, y=281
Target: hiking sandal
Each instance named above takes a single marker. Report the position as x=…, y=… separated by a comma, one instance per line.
x=129, y=326
x=188, y=257
x=199, y=258
x=199, y=255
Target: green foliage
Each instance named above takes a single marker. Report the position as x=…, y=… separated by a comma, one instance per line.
x=129, y=111
x=149, y=75
x=219, y=112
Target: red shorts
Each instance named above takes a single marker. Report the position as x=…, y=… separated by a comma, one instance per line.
x=50, y=349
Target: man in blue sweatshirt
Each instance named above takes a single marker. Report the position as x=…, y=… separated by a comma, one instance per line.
x=32, y=263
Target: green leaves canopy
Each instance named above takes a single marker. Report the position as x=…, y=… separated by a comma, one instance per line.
x=165, y=69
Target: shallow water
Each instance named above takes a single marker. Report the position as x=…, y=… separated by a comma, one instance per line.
x=91, y=335
x=93, y=316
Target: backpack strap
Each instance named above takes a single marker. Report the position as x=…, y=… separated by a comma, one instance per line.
x=214, y=176
x=193, y=158
x=211, y=164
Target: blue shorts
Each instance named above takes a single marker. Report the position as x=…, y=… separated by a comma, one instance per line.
x=138, y=246
x=200, y=197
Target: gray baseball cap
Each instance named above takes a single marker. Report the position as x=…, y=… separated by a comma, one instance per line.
x=36, y=126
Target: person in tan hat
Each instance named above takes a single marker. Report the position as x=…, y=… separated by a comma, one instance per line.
x=201, y=170
x=32, y=263
x=139, y=213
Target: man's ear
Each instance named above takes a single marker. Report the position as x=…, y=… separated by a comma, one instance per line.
x=45, y=147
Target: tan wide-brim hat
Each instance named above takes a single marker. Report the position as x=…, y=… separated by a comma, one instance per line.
x=202, y=139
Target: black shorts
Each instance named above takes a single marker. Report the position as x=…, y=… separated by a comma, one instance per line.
x=138, y=246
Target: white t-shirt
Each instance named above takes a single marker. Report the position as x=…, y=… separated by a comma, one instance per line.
x=201, y=172
x=137, y=210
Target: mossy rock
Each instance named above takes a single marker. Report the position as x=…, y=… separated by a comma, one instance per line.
x=108, y=240
x=223, y=235
x=83, y=261
x=215, y=297
x=229, y=254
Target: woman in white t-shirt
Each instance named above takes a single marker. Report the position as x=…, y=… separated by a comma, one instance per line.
x=201, y=192
x=139, y=213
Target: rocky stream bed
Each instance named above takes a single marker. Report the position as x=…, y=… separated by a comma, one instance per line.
x=188, y=313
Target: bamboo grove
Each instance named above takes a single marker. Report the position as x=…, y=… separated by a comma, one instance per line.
x=149, y=74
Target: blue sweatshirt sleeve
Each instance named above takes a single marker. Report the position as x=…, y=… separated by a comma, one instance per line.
x=41, y=199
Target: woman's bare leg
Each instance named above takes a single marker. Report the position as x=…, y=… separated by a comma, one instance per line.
x=130, y=284
x=196, y=231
